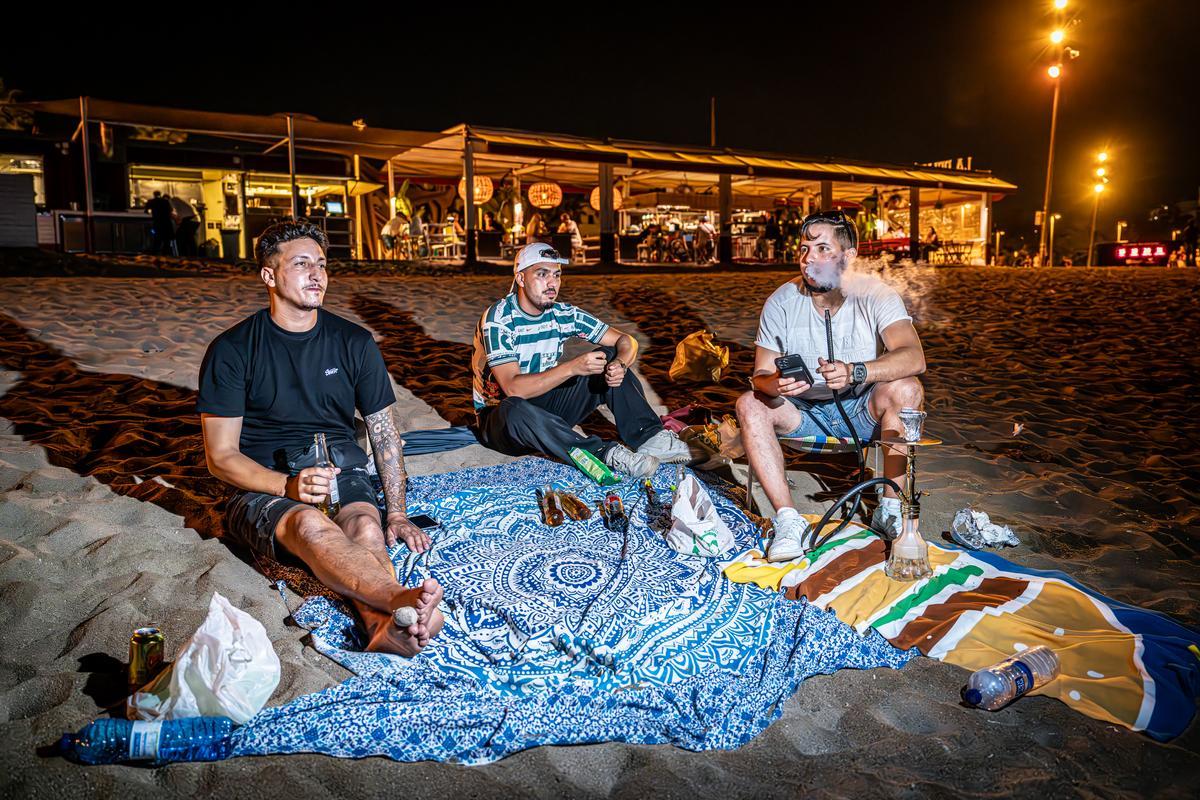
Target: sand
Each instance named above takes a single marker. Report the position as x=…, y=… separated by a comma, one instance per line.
x=1062, y=397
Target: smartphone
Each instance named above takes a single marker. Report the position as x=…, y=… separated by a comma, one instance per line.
x=423, y=521
x=793, y=367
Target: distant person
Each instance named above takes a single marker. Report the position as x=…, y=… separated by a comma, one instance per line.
x=162, y=231
x=1191, y=234
x=536, y=230
x=568, y=225
x=879, y=356
x=418, y=235
x=267, y=386
x=491, y=224
x=393, y=232
x=456, y=228
x=677, y=246
x=706, y=239
x=528, y=400
x=930, y=243
x=186, y=226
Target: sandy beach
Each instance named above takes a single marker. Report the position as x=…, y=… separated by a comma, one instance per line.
x=1062, y=397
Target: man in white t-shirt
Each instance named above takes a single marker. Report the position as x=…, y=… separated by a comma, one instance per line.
x=877, y=356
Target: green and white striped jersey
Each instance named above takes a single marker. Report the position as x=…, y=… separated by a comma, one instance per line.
x=506, y=333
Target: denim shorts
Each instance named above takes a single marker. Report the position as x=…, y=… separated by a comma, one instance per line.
x=252, y=517
x=821, y=418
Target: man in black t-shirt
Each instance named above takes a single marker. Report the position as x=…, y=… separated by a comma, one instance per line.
x=267, y=386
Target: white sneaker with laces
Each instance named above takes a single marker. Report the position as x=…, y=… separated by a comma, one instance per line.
x=886, y=517
x=788, y=543
x=667, y=448
x=638, y=465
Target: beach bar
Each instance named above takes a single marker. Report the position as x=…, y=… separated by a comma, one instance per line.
x=95, y=164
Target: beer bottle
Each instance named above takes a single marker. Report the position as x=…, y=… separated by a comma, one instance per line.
x=332, y=503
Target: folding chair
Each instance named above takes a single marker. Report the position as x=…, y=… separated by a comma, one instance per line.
x=814, y=445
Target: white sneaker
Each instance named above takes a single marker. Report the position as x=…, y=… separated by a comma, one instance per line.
x=622, y=459
x=667, y=448
x=789, y=538
x=886, y=517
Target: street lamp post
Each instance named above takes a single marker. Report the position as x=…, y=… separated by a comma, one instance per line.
x=1050, y=244
x=1121, y=226
x=996, y=256
x=1097, y=190
x=1055, y=71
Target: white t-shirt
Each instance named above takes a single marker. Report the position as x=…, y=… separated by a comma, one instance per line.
x=789, y=317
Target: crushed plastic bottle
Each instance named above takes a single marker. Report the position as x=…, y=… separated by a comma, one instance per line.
x=996, y=686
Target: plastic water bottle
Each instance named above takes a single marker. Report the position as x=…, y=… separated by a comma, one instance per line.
x=998, y=685
x=112, y=741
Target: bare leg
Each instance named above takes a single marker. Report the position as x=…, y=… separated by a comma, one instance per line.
x=356, y=572
x=887, y=399
x=763, y=420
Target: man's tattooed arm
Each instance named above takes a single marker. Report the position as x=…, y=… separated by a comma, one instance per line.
x=389, y=459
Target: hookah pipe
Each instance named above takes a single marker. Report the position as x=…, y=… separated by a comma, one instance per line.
x=812, y=542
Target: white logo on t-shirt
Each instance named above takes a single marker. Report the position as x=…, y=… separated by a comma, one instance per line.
x=331, y=371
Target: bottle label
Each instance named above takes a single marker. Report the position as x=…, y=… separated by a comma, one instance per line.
x=143, y=741
x=334, y=498
x=1022, y=677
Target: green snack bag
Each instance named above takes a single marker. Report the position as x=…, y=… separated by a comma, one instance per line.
x=593, y=467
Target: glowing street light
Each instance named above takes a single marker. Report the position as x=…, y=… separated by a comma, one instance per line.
x=1057, y=36
x=1100, y=171
x=1102, y=156
x=1054, y=72
x=1060, y=4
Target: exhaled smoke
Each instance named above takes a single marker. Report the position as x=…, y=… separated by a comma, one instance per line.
x=825, y=275
x=914, y=283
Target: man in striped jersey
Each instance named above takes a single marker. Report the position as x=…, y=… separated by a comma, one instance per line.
x=527, y=401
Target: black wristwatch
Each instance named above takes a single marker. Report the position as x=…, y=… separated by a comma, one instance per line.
x=858, y=375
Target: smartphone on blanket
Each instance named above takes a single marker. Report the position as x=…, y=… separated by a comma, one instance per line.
x=423, y=521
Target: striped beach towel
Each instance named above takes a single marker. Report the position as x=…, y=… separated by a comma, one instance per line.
x=1120, y=663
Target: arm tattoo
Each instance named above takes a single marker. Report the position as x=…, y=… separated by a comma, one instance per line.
x=389, y=458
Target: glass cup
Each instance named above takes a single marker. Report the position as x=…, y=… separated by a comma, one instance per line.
x=913, y=422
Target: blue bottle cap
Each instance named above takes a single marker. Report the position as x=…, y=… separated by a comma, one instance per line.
x=973, y=697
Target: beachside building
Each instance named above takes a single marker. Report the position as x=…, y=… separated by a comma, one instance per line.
x=92, y=165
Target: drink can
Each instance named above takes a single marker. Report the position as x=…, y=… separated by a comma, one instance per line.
x=145, y=655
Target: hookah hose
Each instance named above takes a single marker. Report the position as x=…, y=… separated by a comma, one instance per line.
x=856, y=491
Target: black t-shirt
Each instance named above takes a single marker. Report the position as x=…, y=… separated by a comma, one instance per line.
x=287, y=387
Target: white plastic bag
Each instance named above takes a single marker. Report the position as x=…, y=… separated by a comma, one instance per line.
x=228, y=668
x=696, y=530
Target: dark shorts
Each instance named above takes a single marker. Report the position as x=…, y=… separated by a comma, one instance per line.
x=252, y=517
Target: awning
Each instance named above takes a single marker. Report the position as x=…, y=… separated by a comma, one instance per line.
x=331, y=137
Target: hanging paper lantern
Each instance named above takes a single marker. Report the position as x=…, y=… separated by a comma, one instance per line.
x=545, y=194
x=483, y=189
x=594, y=199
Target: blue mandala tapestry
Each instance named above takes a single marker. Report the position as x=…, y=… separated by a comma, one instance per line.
x=563, y=635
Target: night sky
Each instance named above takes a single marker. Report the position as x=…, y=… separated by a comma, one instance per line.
x=900, y=82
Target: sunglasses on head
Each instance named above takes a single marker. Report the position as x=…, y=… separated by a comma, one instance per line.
x=836, y=217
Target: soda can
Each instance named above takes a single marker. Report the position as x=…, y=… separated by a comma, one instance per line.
x=145, y=655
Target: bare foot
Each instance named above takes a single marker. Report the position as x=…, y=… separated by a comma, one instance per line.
x=387, y=637
x=399, y=632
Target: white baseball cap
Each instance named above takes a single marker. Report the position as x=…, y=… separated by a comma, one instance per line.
x=537, y=253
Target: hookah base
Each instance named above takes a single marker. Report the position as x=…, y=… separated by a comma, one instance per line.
x=907, y=569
